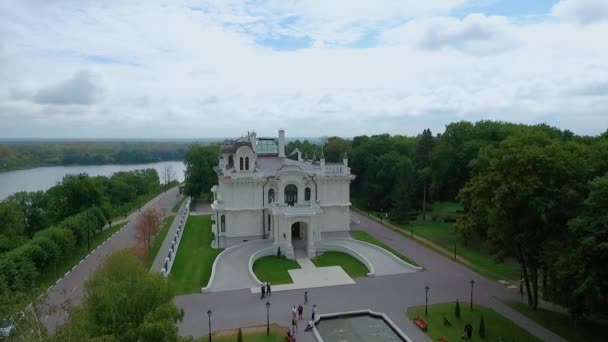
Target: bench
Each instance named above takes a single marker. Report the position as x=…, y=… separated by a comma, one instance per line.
x=421, y=323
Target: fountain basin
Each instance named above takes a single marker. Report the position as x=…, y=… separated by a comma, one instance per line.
x=357, y=326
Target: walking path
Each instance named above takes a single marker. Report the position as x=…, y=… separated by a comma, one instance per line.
x=70, y=288
x=390, y=294
x=159, y=260
x=383, y=262
x=231, y=267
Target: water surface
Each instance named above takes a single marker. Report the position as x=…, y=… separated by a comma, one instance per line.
x=360, y=328
x=42, y=178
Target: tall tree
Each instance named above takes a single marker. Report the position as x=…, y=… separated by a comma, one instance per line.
x=404, y=189
x=525, y=190
x=148, y=225
x=200, y=176
x=580, y=273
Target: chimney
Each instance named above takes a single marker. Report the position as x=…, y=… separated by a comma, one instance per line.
x=282, y=143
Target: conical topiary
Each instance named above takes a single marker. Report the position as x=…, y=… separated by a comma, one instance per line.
x=279, y=252
x=239, y=337
x=457, y=310
x=482, y=327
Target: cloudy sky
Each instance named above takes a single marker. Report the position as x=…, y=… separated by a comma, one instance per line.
x=170, y=69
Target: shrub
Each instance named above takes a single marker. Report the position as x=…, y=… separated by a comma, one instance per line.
x=33, y=252
x=239, y=337
x=18, y=270
x=279, y=252
x=482, y=327
x=64, y=238
x=457, y=310
x=53, y=251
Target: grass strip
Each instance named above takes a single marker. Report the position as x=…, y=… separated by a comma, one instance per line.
x=159, y=239
x=194, y=260
x=353, y=267
x=364, y=236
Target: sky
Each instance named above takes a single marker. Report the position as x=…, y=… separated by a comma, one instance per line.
x=192, y=69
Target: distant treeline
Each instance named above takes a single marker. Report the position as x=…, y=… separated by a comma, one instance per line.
x=22, y=155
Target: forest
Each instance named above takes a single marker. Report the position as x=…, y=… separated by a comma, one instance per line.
x=535, y=194
x=23, y=155
x=40, y=230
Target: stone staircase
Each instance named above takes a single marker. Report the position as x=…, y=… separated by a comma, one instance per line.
x=343, y=234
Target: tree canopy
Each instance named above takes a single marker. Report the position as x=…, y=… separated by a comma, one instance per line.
x=123, y=302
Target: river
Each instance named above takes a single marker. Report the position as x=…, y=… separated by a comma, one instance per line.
x=42, y=178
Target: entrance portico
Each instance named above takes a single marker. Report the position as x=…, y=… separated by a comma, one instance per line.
x=293, y=223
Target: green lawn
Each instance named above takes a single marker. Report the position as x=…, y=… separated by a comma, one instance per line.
x=364, y=236
x=258, y=335
x=352, y=266
x=159, y=239
x=497, y=326
x=50, y=276
x=563, y=325
x=194, y=260
x=446, y=207
x=274, y=269
x=179, y=204
x=442, y=234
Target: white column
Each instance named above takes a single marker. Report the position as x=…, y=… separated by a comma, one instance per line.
x=310, y=235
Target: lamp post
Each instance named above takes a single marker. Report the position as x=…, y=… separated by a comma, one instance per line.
x=521, y=284
x=88, y=232
x=209, y=314
x=426, y=301
x=267, y=318
x=472, y=285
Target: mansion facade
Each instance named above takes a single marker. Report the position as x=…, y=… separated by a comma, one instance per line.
x=262, y=193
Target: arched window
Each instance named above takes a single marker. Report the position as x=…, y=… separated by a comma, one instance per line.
x=241, y=163
x=223, y=223
x=246, y=163
x=270, y=195
x=291, y=194
x=307, y=194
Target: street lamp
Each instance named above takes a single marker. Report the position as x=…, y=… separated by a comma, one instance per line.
x=267, y=318
x=472, y=284
x=209, y=314
x=426, y=301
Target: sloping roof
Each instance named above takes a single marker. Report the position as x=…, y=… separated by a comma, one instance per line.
x=271, y=165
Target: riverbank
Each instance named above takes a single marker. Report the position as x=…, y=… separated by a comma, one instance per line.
x=43, y=178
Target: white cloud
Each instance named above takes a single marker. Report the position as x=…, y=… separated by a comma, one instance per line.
x=475, y=34
x=85, y=87
x=583, y=12
x=174, y=71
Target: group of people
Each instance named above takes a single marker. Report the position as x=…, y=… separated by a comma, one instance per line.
x=266, y=290
x=297, y=313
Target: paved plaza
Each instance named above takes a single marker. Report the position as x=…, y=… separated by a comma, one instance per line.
x=238, y=307
x=389, y=294
x=231, y=270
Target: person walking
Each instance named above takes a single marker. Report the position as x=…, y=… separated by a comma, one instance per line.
x=294, y=325
x=314, y=312
x=268, y=289
x=263, y=292
x=294, y=312
x=300, y=311
x=305, y=297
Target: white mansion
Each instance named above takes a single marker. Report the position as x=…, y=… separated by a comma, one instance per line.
x=264, y=193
